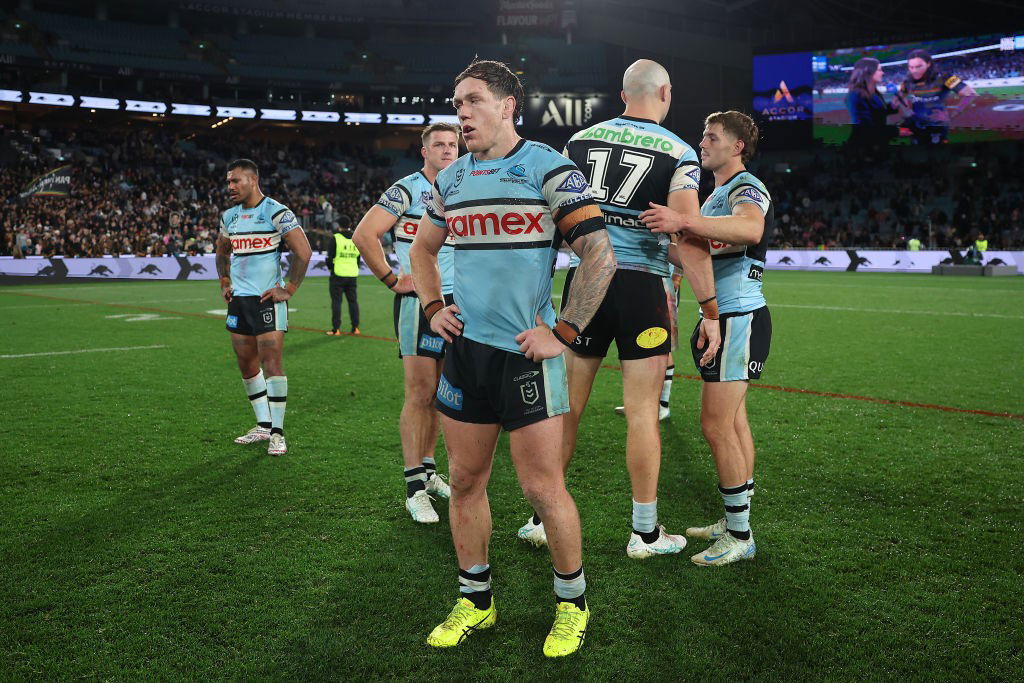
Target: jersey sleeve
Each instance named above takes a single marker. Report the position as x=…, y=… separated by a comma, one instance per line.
x=573, y=208
x=283, y=220
x=747, y=193
x=954, y=83
x=223, y=226
x=395, y=200
x=687, y=173
x=434, y=208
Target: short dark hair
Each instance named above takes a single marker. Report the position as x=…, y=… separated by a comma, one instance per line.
x=439, y=127
x=500, y=80
x=740, y=126
x=245, y=165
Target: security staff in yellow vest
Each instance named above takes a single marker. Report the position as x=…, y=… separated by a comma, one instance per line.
x=981, y=244
x=343, y=264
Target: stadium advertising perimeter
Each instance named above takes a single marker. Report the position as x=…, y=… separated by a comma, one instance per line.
x=794, y=88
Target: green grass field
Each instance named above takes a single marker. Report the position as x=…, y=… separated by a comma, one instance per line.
x=139, y=542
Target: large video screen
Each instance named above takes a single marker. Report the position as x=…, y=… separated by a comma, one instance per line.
x=928, y=92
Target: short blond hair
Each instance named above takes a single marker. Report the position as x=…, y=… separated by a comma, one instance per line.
x=435, y=127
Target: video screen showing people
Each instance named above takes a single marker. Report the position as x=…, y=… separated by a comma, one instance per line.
x=926, y=93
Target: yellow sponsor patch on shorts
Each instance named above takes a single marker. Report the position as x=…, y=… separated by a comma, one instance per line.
x=651, y=337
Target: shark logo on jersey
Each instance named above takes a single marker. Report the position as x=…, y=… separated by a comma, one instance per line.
x=574, y=182
x=751, y=193
x=519, y=171
x=394, y=194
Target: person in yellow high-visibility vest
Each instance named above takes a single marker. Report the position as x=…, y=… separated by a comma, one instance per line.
x=343, y=264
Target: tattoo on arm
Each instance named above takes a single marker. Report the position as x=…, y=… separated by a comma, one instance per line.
x=298, y=271
x=594, y=274
x=223, y=259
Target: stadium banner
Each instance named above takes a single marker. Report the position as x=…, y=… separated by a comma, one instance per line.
x=55, y=183
x=204, y=267
x=566, y=111
x=531, y=15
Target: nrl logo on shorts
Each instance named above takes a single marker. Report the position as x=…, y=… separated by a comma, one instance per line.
x=530, y=392
x=268, y=317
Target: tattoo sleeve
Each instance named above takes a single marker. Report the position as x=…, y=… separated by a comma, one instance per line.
x=297, y=272
x=223, y=259
x=594, y=274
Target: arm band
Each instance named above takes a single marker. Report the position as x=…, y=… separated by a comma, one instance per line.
x=431, y=309
x=565, y=332
x=710, y=309
x=389, y=280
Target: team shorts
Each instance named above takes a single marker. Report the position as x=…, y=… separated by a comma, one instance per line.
x=634, y=313
x=485, y=385
x=746, y=339
x=249, y=316
x=415, y=338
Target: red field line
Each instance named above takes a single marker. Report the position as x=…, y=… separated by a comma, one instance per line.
x=757, y=385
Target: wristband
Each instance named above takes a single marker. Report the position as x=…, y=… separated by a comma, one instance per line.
x=389, y=280
x=710, y=298
x=431, y=309
x=565, y=332
x=709, y=310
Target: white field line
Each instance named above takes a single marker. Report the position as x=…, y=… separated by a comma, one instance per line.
x=57, y=304
x=892, y=311
x=65, y=353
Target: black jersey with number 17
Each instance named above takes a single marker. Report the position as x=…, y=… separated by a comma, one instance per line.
x=631, y=162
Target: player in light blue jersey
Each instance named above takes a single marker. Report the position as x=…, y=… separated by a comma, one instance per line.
x=421, y=350
x=509, y=204
x=737, y=220
x=631, y=161
x=253, y=233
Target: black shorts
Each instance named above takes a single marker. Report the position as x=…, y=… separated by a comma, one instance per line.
x=746, y=340
x=415, y=338
x=635, y=313
x=249, y=316
x=485, y=385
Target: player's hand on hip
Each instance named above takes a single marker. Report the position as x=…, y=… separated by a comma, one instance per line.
x=709, y=334
x=226, y=292
x=404, y=285
x=662, y=219
x=539, y=343
x=446, y=323
x=276, y=294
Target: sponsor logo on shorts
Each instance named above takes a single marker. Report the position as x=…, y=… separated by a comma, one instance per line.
x=526, y=375
x=575, y=182
x=431, y=343
x=232, y=321
x=652, y=337
x=530, y=392
x=449, y=395
x=755, y=367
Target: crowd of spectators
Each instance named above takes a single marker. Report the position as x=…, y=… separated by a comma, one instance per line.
x=150, y=194
x=944, y=195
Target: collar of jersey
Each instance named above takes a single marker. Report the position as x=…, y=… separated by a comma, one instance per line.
x=254, y=206
x=500, y=160
x=733, y=177
x=637, y=118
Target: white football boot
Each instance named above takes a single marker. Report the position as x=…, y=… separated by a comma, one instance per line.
x=533, y=533
x=666, y=544
x=420, y=508
x=277, y=445
x=255, y=434
x=710, y=532
x=726, y=550
x=437, y=486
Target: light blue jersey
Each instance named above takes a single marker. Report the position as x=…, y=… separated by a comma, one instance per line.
x=739, y=268
x=255, y=236
x=405, y=201
x=508, y=216
x=632, y=162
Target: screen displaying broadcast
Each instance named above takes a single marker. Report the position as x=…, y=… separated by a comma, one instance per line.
x=926, y=92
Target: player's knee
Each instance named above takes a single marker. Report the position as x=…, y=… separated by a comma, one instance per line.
x=465, y=483
x=542, y=492
x=716, y=430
